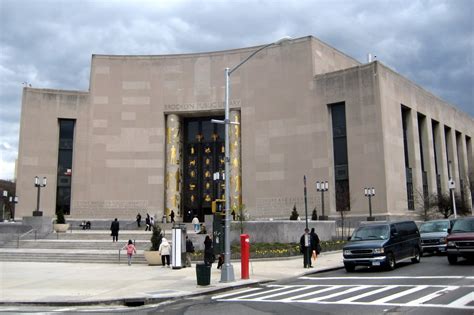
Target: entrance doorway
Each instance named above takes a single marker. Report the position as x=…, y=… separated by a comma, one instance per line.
x=203, y=156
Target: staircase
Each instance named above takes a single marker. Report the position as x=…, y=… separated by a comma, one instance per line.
x=85, y=246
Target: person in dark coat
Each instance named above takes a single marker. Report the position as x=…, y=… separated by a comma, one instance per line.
x=189, y=251
x=315, y=242
x=306, y=248
x=114, y=228
x=172, y=216
x=139, y=219
x=208, y=251
x=148, y=223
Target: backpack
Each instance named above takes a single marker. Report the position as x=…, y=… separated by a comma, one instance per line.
x=130, y=249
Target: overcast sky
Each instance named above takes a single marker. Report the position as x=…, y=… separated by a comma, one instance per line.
x=49, y=43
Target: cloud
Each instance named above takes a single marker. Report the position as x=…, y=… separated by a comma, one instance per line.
x=49, y=43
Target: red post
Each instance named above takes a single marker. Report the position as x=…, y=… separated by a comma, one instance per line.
x=244, y=255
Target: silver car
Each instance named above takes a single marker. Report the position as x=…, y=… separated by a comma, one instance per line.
x=433, y=235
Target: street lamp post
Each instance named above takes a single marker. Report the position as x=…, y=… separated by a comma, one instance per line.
x=13, y=202
x=305, y=201
x=227, y=274
x=4, y=200
x=369, y=193
x=39, y=184
x=322, y=187
x=451, y=187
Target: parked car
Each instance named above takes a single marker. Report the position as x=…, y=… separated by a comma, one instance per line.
x=433, y=235
x=460, y=243
x=382, y=244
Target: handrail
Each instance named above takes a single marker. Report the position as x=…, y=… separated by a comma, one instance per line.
x=23, y=235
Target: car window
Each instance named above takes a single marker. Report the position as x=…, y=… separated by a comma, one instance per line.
x=434, y=226
x=463, y=225
x=365, y=233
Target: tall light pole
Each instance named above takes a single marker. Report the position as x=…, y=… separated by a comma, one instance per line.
x=322, y=187
x=39, y=184
x=369, y=193
x=4, y=201
x=227, y=274
x=305, y=201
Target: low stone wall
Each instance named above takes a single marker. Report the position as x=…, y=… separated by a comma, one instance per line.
x=282, y=231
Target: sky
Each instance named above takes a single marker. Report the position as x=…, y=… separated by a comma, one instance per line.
x=49, y=43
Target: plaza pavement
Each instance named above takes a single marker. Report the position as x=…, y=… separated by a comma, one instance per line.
x=89, y=284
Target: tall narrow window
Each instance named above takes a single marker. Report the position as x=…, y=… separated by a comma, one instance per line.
x=435, y=129
x=406, y=112
x=341, y=169
x=63, y=190
x=460, y=166
x=424, y=173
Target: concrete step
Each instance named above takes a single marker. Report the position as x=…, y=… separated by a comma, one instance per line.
x=71, y=258
x=80, y=244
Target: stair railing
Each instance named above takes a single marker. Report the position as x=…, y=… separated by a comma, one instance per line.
x=25, y=234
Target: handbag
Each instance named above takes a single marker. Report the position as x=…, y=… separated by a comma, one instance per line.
x=314, y=255
x=318, y=249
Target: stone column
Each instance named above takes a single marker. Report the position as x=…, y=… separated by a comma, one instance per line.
x=173, y=156
x=235, y=161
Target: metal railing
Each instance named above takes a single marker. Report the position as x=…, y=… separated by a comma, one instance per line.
x=25, y=234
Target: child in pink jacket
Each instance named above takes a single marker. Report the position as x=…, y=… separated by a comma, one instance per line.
x=130, y=251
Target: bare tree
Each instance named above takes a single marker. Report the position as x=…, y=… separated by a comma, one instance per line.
x=443, y=205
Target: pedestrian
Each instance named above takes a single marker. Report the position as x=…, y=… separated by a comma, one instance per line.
x=152, y=222
x=316, y=249
x=130, y=251
x=189, y=251
x=165, y=249
x=114, y=229
x=305, y=248
x=139, y=219
x=195, y=222
x=147, y=222
x=172, y=216
x=208, y=251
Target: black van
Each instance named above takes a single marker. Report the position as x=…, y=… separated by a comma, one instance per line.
x=382, y=244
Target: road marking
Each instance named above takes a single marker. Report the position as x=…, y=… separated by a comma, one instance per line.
x=323, y=289
x=363, y=295
x=432, y=295
x=234, y=293
x=385, y=278
x=399, y=294
x=463, y=301
x=258, y=293
x=338, y=293
x=282, y=293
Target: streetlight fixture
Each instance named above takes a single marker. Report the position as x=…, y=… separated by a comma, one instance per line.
x=369, y=193
x=13, y=202
x=322, y=187
x=39, y=184
x=305, y=201
x=451, y=187
x=227, y=274
x=4, y=199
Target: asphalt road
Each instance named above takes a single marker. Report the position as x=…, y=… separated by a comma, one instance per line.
x=430, y=287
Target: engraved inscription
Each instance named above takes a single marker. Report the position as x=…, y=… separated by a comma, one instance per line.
x=201, y=106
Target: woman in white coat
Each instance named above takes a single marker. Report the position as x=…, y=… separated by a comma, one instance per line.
x=165, y=250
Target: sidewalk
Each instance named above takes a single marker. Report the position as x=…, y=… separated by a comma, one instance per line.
x=87, y=284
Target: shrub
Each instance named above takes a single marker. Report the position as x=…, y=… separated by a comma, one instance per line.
x=60, y=217
x=156, y=238
x=294, y=214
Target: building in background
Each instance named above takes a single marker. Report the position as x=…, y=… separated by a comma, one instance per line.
x=141, y=140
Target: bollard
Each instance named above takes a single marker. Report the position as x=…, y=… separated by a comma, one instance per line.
x=244, y=255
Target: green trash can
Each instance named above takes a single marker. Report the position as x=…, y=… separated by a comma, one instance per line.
x=203, y=274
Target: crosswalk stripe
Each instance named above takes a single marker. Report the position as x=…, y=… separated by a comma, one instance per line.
x=463, y=301
x=398, y=295
x=317, y=291
x=432, y=295
x=258, y=293
x=234, y=293
x=339, y=293
x=383, y=278
x=281, y=293
x=366, y=294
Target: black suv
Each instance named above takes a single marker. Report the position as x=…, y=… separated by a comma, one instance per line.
x=382, y=244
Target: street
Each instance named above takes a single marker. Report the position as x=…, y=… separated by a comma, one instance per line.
x=430, y=287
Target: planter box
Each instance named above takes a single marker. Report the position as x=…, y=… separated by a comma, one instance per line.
x=153, y=258
x=60, y=227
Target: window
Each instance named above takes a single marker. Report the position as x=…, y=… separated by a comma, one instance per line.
x=65, y=154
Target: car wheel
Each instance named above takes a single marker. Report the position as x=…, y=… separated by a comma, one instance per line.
x=452, y=259
x=349, y=268
x=390, y=261
x=416, y=258
x=422, y=253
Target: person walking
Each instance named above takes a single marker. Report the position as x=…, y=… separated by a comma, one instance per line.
x=139, y=219
x=189, y=251
x=316, y=249
x=208, y=251
x=305, y=248
x=165, y=250
x=147, y=223
x=130, y=247
x=114, y=229
x=195, y=222
x=152, y=222
x=172, y=216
